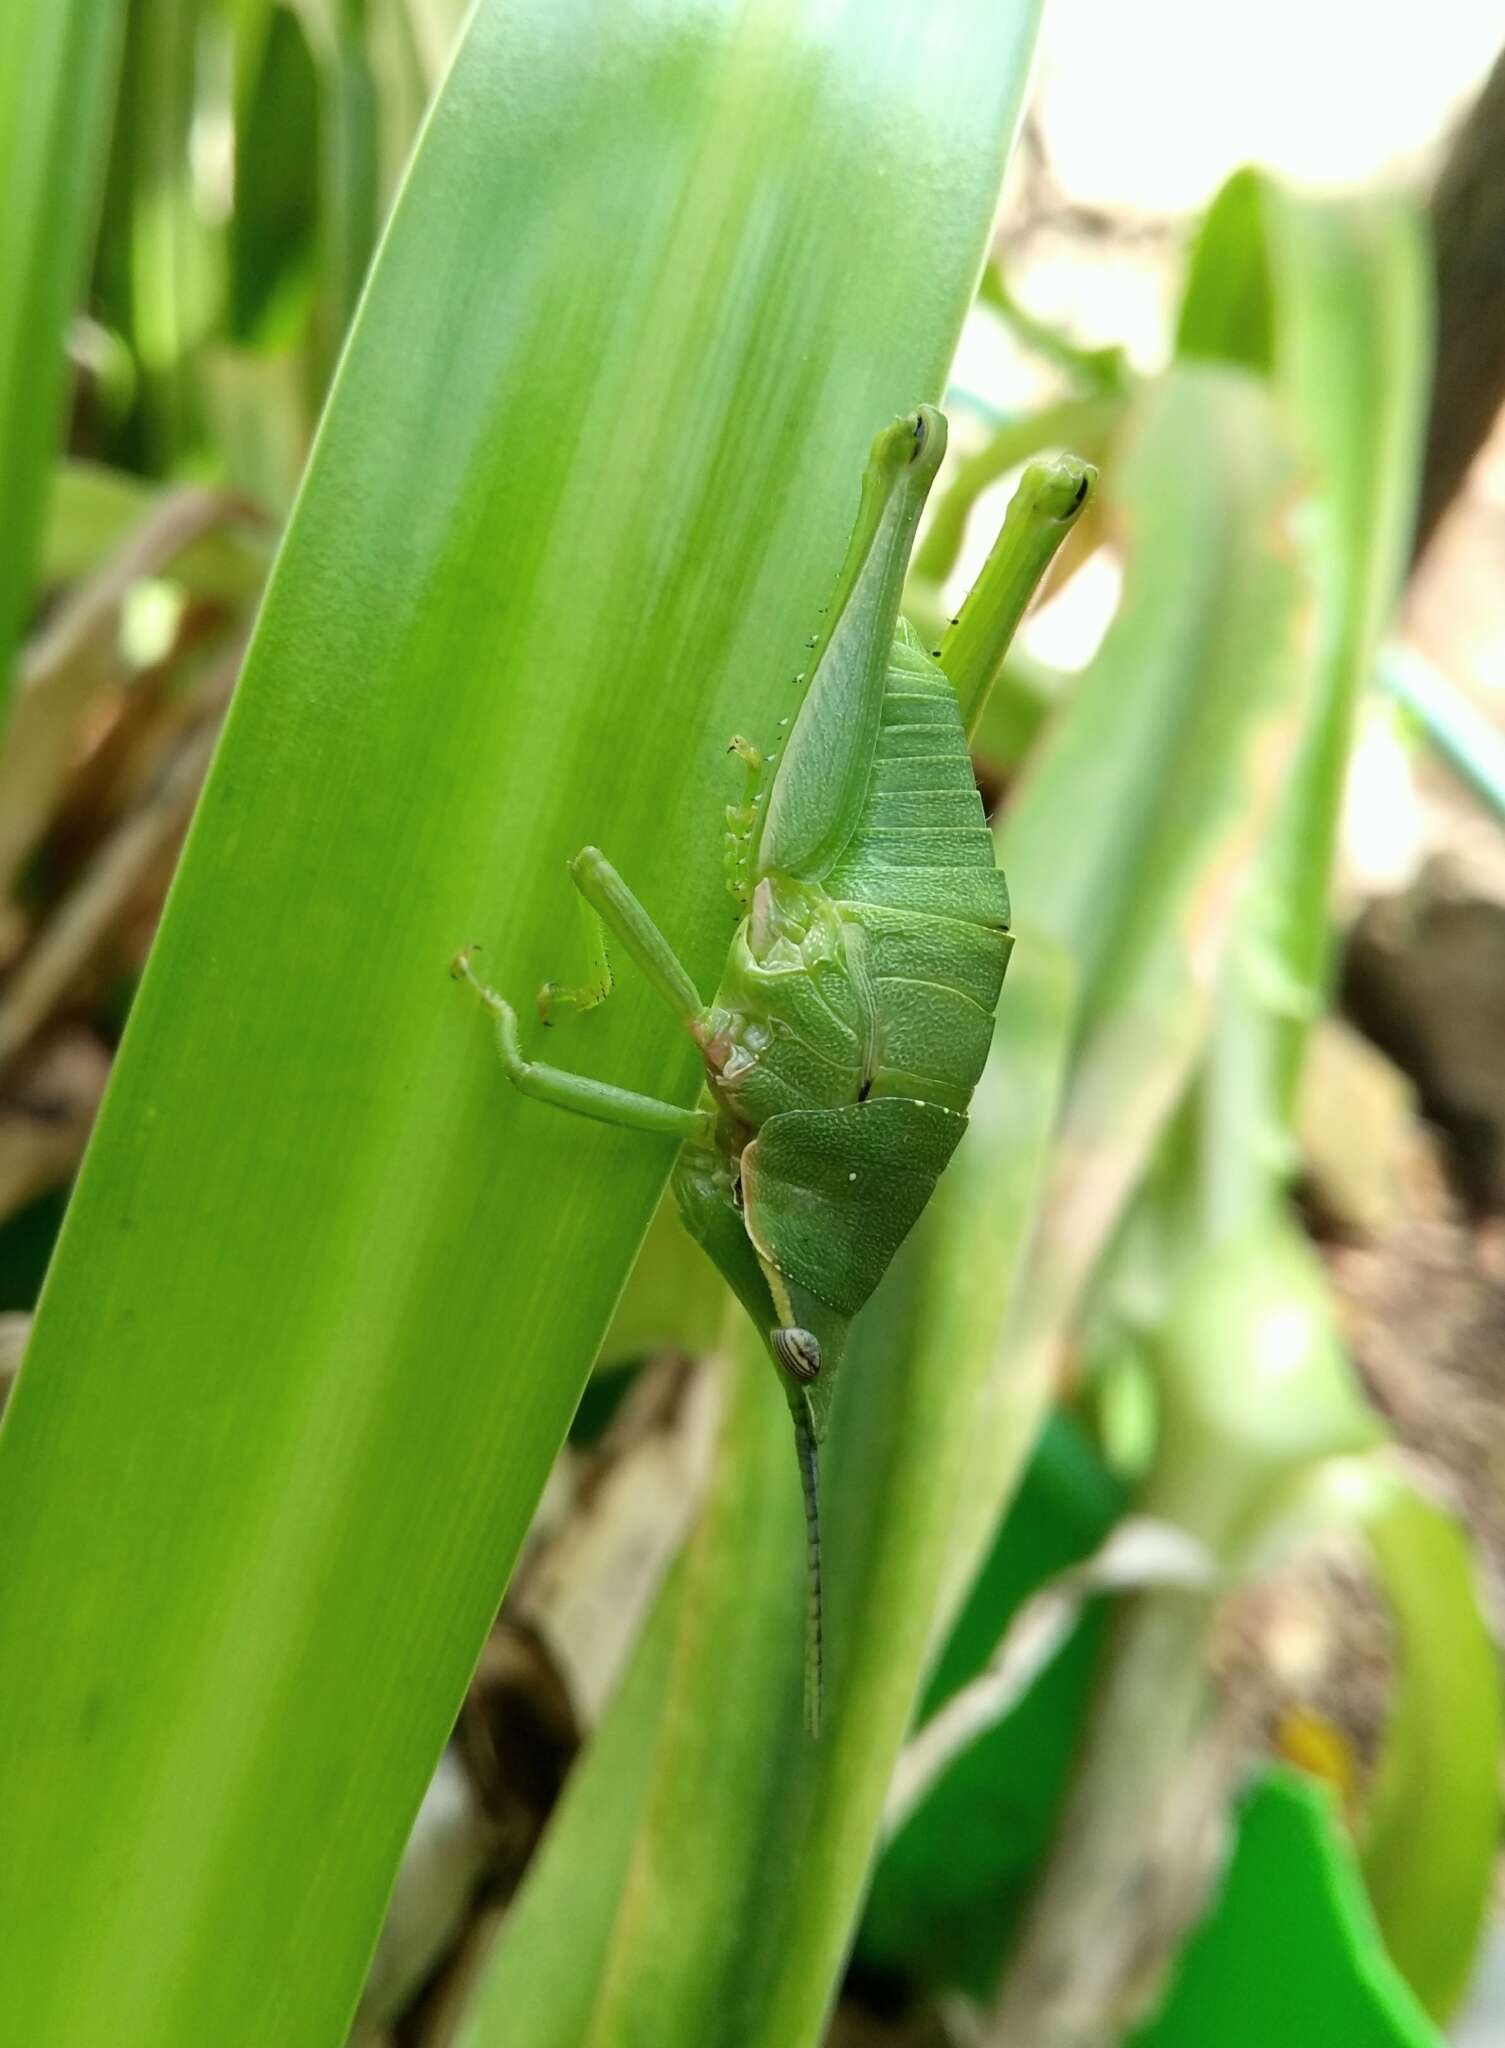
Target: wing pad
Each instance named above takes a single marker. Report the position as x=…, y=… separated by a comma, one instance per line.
x=829, y=1195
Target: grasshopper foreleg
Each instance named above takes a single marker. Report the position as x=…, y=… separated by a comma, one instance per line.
x=597, y=985
x=619, y=912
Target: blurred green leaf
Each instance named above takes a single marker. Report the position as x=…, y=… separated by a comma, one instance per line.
x=271, y=230
x=1130, y=833
x=57, y=66
x=1082, y=425
x=1090, y=369
x=1330, y=299
x=92, y=510
x=1065, y=1505
x=674, y=1297
x=349, y=166
x=1290, y=1952
x=328, y=1291
x=1227, y=308
x=1430, y=1834
x=403, y=83
x=1174, y=737
x=160, y=280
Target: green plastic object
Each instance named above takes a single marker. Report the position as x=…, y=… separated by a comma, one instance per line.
x=1290, y=1956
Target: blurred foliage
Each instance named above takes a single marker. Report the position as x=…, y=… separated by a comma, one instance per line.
x=954, y=1878
x=326, y=1300
x=56, y=65
x=1209, y=1290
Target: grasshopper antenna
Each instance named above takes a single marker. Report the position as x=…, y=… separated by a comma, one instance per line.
x=804, y=1442
x=799, y=1354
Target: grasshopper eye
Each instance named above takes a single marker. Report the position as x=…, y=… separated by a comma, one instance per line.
x=798, y=1352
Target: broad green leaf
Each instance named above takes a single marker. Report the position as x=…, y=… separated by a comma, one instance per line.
x=673, y=1299
x=57, y=66
x=1291, y=1952
x=328, y=1291
x=768, y=1834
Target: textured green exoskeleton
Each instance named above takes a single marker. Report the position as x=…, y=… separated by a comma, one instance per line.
x=856, y=1007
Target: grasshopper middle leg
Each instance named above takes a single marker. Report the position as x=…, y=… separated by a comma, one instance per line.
x=601, y=1100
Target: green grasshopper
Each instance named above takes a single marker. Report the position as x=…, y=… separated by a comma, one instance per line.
x=857, y=1003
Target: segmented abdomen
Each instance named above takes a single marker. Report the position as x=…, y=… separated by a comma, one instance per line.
x=919, y=880
x=882, y=978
